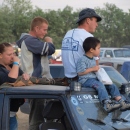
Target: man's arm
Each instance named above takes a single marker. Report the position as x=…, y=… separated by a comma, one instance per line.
x=38, y=47
x=50, y=42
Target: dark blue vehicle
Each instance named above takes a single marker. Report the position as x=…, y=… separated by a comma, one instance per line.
x=75, y=110
x=125, y=70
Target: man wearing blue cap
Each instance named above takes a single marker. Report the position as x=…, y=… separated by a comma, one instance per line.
x=72, y=43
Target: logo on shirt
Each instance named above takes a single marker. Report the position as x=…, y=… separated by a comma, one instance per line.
x=70, y=44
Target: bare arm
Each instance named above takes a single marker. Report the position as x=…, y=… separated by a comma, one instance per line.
x=15, y=68
x=92, y=69
x=25, y=76
x=97, y=62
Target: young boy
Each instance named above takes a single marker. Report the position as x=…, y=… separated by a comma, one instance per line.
x=86, y=68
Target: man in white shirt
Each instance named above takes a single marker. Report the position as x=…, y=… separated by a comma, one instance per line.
x=72, y=48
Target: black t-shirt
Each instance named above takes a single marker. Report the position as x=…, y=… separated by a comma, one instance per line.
x=14, y=103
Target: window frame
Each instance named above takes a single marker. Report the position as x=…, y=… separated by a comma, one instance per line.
x=6, y=108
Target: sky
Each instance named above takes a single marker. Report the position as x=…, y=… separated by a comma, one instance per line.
x=78, y=4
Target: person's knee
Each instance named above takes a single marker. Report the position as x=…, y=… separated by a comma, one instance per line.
x=99, y=86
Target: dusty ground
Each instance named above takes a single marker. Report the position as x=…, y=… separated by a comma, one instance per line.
x=22, y=120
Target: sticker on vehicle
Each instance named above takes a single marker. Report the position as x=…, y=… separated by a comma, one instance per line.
x=74, y=101
x=79, y=110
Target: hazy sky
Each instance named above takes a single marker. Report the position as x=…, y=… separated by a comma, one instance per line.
x=78, y=4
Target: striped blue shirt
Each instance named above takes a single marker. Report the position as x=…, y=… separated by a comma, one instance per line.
x=84, y=63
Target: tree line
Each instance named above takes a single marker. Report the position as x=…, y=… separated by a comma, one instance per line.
x=16, y=15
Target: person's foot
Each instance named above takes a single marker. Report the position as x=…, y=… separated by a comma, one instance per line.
x=110, y=106
x=125, y=105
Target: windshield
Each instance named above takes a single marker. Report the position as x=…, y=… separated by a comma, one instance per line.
x=84, y=108
x=88, y=113
x=122, y=53
x=115, y=76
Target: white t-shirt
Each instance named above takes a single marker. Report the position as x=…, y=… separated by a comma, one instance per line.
x=72, y=50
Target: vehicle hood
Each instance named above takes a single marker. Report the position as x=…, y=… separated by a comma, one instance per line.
x=90, y=114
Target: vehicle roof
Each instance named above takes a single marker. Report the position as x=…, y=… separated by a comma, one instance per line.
x=36, y=89
x=39, y=89
x=56, y=65
x=127, y=46
x=62, y=65
x=113, y=48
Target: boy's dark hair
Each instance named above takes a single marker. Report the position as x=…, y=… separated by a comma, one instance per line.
x=90, y=42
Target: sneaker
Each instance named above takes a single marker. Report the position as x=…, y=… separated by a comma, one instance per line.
x=125, y=105
x=110, y=106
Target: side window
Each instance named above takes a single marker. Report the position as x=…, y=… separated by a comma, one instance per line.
x=51, y=113
x=108, y=53
x=101, y=53
x=118, y=53
x=47, y=108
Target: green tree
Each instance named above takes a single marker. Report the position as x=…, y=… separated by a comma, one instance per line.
x=59, y=23
x=16, y=15
x=6, y=33
x=16, y=18
x=112, y=28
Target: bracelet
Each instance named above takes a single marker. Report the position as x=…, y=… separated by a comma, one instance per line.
x=15, y=63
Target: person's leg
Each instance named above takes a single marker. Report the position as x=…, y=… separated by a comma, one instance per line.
x=35, y=116
x=114, y=91
x=100, y=88
x=109, y=106
x=13, y=125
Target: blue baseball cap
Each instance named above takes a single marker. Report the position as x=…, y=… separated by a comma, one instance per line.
x=88, y=13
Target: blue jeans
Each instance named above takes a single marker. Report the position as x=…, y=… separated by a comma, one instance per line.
x=101, y=89
x=13, y=125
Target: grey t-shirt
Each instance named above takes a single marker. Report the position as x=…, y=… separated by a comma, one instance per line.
x=84, y=63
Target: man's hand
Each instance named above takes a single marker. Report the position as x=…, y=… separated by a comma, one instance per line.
x=48, y=39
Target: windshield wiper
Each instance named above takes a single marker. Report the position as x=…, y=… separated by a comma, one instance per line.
x=96, y=121
x=120, y=119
